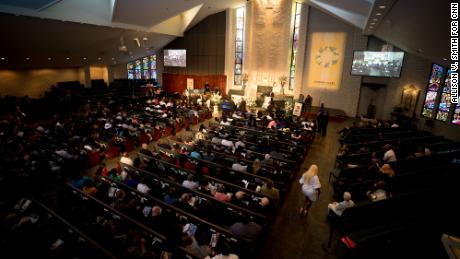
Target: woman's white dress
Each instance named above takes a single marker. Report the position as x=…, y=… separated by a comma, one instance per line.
x=309, y=189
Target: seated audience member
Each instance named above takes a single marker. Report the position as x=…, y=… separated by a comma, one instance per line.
x=89, y=187
x=241, y=199
x=170, y=197
x=256, y=166
x=269, y=190
x=378, y=192
x=157, y=220
x=240, y=143
x=195, y=153
x=339, y=207
x=125, y=159
x=223, y=251
x=246, y=229
x=142, y=186
x=145, y=150
x=267, y=160
x=219, y=194
x=228, y=144
x=131, y=180
x=114, y=175
x=102, y=170
x=389, y=155
x=239, y=166
x=190, y=182
x=272, y=124
x=186, y=203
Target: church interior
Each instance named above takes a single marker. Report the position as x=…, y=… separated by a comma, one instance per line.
x=226, y=129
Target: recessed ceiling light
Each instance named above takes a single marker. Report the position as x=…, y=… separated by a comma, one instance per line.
x=49, y=58
x=27, y=58
x=372, y=23
x=378, y=14
x=445, y=59
x=382, y=6
x=2, y=58
x=113, y=58
x=99, y=58
x=375, y=19
x=84, y=58
x=67, y=58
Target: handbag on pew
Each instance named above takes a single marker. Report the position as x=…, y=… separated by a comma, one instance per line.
x=348, y=242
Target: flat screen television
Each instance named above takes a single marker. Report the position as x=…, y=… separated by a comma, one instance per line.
x=377, y=63
x=175, y=57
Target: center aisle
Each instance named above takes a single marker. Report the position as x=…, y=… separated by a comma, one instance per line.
x=294, y=236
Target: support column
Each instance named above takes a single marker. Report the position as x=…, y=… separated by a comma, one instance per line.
x=87, y=77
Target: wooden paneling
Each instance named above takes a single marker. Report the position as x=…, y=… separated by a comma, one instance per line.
x=178, y=83
x=205, y=45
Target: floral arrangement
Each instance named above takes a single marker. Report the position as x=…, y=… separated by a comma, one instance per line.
x=289, y=105
x=283, y=80
x=251, y=103
x=216, y=98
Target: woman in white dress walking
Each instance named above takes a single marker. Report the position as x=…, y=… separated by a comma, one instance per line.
x=311, y=188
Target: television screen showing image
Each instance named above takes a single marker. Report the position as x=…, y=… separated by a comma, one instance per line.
x=175, y=58
x=456, y=117
x=377, y=63
x=130, y=74
x=437, y=72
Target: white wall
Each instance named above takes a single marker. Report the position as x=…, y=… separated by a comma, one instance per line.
x=347, y=96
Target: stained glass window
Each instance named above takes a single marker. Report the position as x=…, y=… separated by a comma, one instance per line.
x=143, y=68
x=239, y=46
x=295, y=45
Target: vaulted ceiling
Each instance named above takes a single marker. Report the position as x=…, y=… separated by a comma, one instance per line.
x=77, y=32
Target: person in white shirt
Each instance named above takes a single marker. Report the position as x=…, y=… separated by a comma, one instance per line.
x=379, y=192
x=389, y=155
x=239, y=167
x=339, y=207
x=142, y=187
x=190, y=183
x=311, y=188
x=125, y=159
x=239, y=143
x=228, y=144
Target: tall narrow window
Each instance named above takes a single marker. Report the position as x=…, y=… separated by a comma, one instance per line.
x=239, y=39
x=295, y=45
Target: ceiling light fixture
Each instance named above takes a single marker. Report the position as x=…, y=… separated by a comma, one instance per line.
x=99, y=58
x=375, y=19
x=382, y=7
x=27, y=58
x=113, y=58
x=67, y=58
x=2, y=58
x=84, y=58
x=49, y=58
x=378, y=14
x=445, y=59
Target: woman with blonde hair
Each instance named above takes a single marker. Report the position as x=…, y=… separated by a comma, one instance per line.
x=311, y=188
x=256, y=165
